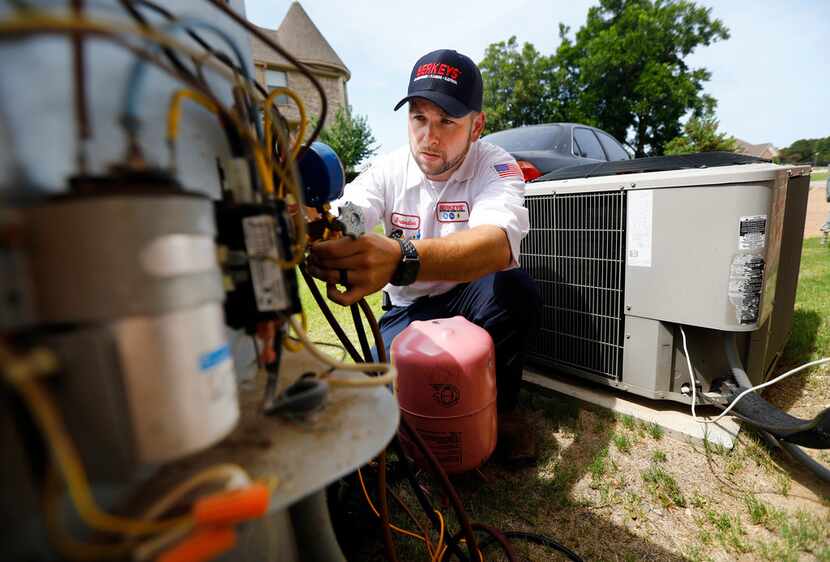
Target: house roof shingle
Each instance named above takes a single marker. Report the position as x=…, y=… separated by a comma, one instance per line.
x=298, y=35
x=764, y=150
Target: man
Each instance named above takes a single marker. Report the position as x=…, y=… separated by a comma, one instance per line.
x=453, y=212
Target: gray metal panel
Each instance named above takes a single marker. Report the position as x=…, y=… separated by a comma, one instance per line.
x=647, y=355
x=695, y=238
x=762, y=357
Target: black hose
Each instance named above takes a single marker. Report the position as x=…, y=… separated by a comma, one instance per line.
x=388, y=542
x=539, y=539
x=361, y=333
x=324, y=308
x=373, y=325
x=796, y=452
x=449, y=489
x=730, y=345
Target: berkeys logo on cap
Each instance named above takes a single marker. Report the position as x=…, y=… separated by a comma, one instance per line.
x=448, y=79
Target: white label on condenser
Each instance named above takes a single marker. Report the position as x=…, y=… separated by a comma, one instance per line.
x=263, y=256
x=752, y=232
x=179, y=254
x=639, y=219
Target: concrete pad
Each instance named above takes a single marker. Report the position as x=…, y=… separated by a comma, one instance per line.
x=674, y=418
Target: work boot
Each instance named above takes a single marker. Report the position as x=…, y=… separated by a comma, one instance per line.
x=517, y=440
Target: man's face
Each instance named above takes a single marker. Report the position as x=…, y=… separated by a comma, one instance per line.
x=439, y=142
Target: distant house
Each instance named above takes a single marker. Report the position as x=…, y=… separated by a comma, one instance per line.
x=298, y=35
x=765, y=150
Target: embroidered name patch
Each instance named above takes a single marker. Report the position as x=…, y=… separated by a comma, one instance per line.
x=409, y=222
x=453, y=211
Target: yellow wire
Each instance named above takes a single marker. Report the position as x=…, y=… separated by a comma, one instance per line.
x=66, y=544
x=387, y=368
x=174, y=113
x=43, y=24
x=439, y=550
x=64, y=452
x=48, y=419
x=392, y=526
x=303, y=120
x=291, y=344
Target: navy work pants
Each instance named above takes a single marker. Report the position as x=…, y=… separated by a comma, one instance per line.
x=506, y=304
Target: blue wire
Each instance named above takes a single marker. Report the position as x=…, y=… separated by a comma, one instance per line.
x=139, y=70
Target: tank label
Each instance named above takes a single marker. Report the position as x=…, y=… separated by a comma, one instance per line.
x=263, y=254
x=639, y=225
x=210, y=359
x=746, y=278
x=445, y=445
x=752, y=232
x=447, y=395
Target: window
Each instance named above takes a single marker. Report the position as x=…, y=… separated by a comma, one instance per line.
x=277, y=79
x=612, y=147
x=587, y=145
x=538, y=137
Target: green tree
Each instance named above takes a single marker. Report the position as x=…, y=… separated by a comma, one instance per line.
x=814, y=151
x=626, y=67
x=350, y=137
x=520, y=86
x=700, y=134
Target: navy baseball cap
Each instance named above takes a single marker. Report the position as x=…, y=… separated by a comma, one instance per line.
x=448, y=79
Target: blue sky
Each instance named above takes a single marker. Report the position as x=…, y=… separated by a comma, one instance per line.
x=771, y=78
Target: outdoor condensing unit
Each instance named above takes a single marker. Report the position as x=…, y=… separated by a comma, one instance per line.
x=622, y=260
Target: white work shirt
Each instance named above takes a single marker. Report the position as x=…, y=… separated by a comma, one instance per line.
x=487, y=188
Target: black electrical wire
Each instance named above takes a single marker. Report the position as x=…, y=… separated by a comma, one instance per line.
x=234, y=138
x=81, y=99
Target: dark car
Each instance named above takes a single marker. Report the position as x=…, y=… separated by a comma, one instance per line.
x=540, y=149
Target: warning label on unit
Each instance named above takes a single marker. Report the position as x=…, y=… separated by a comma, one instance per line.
x=752, y=233
x=639, y=225
x=746, y=277
x=264, y=257
x=446, y=445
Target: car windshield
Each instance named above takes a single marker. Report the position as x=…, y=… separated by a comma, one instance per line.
x=526, y=138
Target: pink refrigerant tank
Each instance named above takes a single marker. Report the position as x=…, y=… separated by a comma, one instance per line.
x=447, y=389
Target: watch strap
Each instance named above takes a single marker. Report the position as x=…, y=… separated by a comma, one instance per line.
x=407, y=270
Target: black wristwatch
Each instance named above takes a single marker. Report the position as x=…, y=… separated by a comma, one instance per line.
x=407, y=270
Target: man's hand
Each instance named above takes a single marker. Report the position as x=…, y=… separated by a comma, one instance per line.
x=369, y=263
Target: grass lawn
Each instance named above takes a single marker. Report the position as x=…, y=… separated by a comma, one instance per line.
x=615, y=489
x=819, y=176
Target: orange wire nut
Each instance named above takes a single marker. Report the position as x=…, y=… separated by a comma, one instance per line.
x=229, y=508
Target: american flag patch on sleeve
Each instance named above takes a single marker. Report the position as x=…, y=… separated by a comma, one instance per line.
x=508, y=170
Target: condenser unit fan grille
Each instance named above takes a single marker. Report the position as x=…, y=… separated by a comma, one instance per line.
x=575, y=251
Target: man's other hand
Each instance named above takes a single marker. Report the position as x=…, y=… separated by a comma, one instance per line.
x=368, y=262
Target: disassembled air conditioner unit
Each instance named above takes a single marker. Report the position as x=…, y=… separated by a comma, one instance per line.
x=621, y=260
